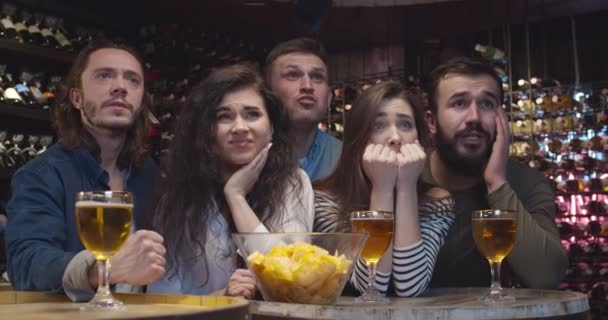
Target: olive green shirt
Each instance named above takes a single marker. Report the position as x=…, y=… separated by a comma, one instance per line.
x=538, y=259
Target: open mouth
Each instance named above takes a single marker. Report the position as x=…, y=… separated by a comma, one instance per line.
x=473, y=138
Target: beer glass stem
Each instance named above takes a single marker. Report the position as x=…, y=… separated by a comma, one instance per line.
x=371, y=284
x=103, y=273
x=495, y=289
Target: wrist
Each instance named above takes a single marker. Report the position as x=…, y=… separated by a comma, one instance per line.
x=494, y=185
x=116, y=276
x=382, y=187
x=93, y=275
x=406, y=184
x=232, y=195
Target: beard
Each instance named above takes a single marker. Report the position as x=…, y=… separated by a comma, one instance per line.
x=470, y=166
x=90, y=111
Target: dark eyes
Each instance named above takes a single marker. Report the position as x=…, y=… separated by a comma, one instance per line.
x=485, y=104
x=381, y=125
x=248, y=115
x=132, y=79
x=295, y=75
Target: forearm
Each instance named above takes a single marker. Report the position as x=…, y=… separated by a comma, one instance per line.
x=407, y=226
x=538, y=257
x=243, y=216
x=413, y=265
x=36, y=267
x=383, y=199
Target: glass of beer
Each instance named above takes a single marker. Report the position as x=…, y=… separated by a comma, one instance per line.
x=379, y=226
x=494, y=235
x=104, y=221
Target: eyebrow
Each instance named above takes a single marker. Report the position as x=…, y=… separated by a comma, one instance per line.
x=227, y=108
x=399, y=115
x=465, y=94
x=114, y=70
x=314, y=69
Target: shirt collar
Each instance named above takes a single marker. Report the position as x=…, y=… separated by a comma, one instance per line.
x=314, y=148
x=91, y=164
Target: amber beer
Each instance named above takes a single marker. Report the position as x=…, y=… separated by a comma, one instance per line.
x=380, y=235
x=103, y=227
x=494, y=237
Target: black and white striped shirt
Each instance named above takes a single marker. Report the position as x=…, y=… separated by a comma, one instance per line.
x=412, y=265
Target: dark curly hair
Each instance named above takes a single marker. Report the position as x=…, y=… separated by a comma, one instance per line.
x=192, y=184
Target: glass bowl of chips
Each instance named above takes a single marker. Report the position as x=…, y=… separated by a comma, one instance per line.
x=307, y=268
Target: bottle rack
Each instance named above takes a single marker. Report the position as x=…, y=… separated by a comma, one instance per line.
x=565, y=137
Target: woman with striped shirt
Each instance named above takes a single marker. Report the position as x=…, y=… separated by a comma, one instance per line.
x=382, y=158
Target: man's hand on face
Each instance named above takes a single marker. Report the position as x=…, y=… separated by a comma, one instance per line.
x=495, y=173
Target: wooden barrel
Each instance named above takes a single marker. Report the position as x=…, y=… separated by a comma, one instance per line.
x=19, y=305
x=442, y=304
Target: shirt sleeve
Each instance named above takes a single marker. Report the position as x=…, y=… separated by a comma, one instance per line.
x=298, y=210
x=538, y=257
x=76, y=277
x=328, y=215
x=413, y=265
x=36, y=232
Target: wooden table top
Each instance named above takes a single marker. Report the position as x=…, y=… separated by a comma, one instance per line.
x=22, y=305
x=438, y=304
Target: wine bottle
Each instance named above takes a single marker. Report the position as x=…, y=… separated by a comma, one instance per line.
x=21, y=27
x=34, y=29
x=51, y=89
x=60, y=36
x=23, y=89
x=38, y=95
x=10, y=92
x=48, y=32
x=80, y=38
x=491, y=53
x=6, y=23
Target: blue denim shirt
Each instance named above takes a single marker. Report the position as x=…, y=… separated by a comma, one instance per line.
x=41, y=235
x=322, y=157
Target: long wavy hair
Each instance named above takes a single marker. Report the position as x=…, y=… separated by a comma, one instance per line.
x=192, y=183
x=67, y=120
x=348, y=183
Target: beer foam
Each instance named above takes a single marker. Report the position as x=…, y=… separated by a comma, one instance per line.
x=89, y=203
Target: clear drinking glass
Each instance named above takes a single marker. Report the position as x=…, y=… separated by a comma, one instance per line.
x=379, y=226
x=494, y=235
x=104, y=221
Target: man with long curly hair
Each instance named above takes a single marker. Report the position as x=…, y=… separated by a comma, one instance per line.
x=101, y=123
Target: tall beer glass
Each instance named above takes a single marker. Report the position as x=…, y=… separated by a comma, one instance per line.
x=379, y=226
x=104, y=221
x=494, y=235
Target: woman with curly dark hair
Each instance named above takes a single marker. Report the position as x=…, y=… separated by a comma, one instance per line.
x=230, y=169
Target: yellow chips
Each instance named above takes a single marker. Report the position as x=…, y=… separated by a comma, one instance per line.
x=300, y=273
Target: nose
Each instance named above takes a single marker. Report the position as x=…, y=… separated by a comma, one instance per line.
x=472, y=114
x=306, y=84
x=239, y=126
x=394, y=139
x=118, y=86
